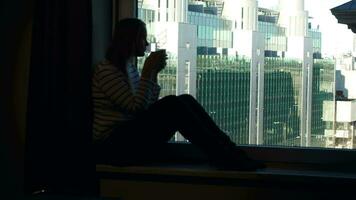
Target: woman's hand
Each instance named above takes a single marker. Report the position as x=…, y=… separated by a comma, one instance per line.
x=162, y=59
x=154, y=63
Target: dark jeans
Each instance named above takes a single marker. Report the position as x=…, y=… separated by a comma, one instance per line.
x=150, y=131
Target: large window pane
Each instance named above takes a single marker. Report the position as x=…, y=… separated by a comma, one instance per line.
x=269, y=82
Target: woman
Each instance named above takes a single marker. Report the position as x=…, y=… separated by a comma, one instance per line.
x=130, y=120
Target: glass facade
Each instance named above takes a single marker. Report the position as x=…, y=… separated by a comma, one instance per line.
x=282, y=89
x=275, y=36
x=323, y=86
x=223, y=89
x=212, y=31
x=316, y=37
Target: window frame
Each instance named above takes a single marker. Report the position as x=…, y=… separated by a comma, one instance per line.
x=311, y=156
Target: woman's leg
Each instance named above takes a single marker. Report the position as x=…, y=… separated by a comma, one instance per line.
x=189, y=118
x=158, y=124
x=151, y=130
x=172, y=114
x=195, y=107
x=136, y=141
x=228, y=146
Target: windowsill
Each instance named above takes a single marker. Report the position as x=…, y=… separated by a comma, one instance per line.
x=190, y=166
x=199, y=181
x=202, y=174
x=320, y=159
x=206, y=170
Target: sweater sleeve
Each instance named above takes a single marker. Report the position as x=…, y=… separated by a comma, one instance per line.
x=115, y=86
x=155, y=93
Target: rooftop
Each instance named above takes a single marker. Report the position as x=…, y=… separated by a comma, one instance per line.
x=346, y=14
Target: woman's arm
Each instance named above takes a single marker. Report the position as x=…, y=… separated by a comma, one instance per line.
x=155, y=93
x=115, y=86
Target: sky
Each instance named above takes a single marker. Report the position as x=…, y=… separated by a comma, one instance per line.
x=336, y=38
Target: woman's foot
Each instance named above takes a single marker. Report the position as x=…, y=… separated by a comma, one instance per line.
x=233, y=158
x=240, y=165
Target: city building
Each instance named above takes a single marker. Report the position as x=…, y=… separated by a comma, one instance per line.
x=340, y=114
x=258, y=72
x=341, y=133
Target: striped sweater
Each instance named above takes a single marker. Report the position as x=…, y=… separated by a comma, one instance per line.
x=117, y=97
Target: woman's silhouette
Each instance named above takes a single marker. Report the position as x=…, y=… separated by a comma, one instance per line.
x=130, y=120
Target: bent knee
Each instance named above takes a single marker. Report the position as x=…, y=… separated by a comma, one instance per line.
x=186, y=96
x=170, y=99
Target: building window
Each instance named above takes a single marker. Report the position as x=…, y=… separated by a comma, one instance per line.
x=223, y=76
x=187, y=77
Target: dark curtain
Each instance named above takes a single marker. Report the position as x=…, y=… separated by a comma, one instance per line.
x=58, y=143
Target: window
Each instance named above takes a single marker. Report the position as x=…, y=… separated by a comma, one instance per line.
x=292, y=117
x=187, y=77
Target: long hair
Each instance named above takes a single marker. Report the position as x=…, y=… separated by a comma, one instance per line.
x=124, y=41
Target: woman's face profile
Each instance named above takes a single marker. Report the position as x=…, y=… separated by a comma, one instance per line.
x=141, y=43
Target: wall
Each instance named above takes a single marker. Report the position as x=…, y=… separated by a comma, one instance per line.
x=346, y=111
